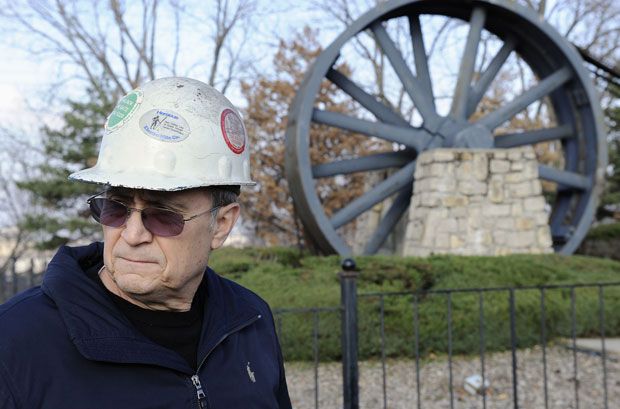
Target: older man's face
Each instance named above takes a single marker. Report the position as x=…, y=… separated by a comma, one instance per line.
x=163, y=272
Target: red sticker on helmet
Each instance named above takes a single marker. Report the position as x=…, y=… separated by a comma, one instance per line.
x=233, y=131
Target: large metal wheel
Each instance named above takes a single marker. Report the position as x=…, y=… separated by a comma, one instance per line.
x=561, y=82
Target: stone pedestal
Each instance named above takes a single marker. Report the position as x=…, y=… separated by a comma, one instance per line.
x=477, y=202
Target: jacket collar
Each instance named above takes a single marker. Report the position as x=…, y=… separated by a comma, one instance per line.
x=101, y=332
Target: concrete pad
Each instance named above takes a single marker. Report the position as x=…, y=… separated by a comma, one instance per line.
x=612, y=345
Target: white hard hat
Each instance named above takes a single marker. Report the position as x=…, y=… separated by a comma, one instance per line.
x=172, y=134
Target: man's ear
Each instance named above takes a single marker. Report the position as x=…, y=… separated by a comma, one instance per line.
x=225, y=220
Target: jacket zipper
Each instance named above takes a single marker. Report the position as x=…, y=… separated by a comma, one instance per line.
x=202, y=401
x=202, y=397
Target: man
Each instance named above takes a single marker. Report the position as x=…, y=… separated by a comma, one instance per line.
x=140, y=321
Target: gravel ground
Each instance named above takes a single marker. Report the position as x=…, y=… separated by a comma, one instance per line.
x=434, y=382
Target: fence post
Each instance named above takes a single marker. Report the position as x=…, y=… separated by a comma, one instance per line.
x=31, y=274
x=3, y=285
x=348, y=302
x=14, y=281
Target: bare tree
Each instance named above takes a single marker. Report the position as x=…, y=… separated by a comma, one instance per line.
x=121, y=44
x=15, y=158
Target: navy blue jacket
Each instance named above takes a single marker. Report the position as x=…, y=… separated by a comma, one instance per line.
x=66, y=345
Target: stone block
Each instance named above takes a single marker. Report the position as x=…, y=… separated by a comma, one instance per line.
x=430, y=199
x=499, y=237
x=499, y=166
x=499, y=154
x=419, y=171
x=479, y=239
x=464, y=170
x=502, y=251
x=541, y=218
x=445, y=185
x=415, y=230
x=515, y=155
x=415, y=201
x=524, y=223
x=424, y=158
x=523, y=239
x=530, y=169
x=544, y=237
x=514, y=177
x=534, y=204
x=463, y=224
x=440, y=169
x=421, y=252
x=472, y=187
x=447, y=225
x=523, y=189
x=419, y=213
x=474, y=215
x=517, y=166
x=442, y=241
x=505, y=223
x=454, y=201
x=458, y=212
x=536, y=187
x=496, y=210
x=466, y=155
x=496, y=191
x=480, y=166
x=438, y=213
x=442, y=155
x=516, y=209
x=456, y=242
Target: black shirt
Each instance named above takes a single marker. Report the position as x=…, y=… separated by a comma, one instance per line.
x=178, y=331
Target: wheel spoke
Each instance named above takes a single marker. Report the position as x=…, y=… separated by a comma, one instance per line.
x=380, y=192
x=366, y=163
x=410, y=82
x=420, y=58
x=389, y=221
x=410, y=137
x=478, y=90
x=563, y=177
x=379, y=110
x=543, y=88
x=466, y=70
x=534, y=137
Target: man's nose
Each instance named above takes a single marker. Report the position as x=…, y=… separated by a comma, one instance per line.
x=134, y=232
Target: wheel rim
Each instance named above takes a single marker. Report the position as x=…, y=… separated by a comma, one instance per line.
x=563, y=80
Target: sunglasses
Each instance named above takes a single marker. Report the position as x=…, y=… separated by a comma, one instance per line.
x=159, y=221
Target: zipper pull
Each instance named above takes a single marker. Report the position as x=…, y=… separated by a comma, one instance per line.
x=202, y=398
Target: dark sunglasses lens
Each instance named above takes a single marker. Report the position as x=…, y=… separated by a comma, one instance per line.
x=108, y=212
x=162, y=222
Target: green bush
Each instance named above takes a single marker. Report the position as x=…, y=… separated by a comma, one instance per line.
x=604, y=232
x=288, y=279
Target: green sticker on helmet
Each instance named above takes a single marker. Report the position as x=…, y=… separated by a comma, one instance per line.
x=123, y=110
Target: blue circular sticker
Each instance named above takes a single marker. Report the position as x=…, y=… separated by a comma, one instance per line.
x=164, y=125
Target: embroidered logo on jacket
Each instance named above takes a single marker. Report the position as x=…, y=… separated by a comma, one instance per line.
x=250, y=373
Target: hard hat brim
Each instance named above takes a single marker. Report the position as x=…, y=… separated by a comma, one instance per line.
x=149, y=180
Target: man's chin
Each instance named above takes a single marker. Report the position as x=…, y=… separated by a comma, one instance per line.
x=134, y=282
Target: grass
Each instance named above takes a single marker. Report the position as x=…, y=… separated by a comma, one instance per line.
x=288, y=279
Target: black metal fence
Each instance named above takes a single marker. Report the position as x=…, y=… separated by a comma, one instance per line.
x=13, y=281
x=521, y=346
